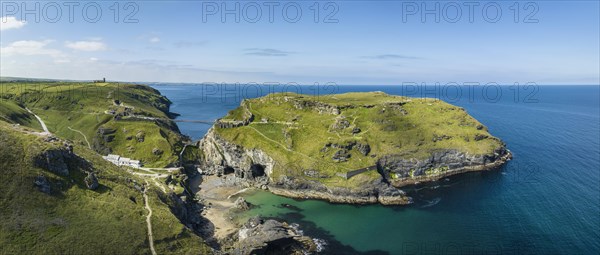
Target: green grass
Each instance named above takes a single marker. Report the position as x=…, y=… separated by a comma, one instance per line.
x=73, y=219
x=69, y=106
x=12, y=113
x=125, y=142
x=384, y=124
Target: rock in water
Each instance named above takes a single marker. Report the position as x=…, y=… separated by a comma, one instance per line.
x=260, y=236
x=241, y=204
x=91, y=181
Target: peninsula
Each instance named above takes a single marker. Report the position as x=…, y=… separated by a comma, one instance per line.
x=357, y=148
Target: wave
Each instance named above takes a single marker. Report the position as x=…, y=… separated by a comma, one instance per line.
x=431, y=203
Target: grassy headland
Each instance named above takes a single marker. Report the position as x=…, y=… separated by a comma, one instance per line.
x=70, y=218
x=129, y=120
x=339, y=133
x=46, y=212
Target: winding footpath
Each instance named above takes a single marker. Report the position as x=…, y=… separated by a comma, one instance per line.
x=46, y=131
x=84, y=137
x=146, y=204
x=149, y=220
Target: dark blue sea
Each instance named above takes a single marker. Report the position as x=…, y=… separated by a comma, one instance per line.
x=545, y=201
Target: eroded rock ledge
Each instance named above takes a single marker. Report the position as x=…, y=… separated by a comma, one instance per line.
x=254, y=168
x=267, y=236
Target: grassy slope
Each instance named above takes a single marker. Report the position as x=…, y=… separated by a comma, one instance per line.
x=12, y=113
x=82, y=106
x=73, y=219
x=387, y=132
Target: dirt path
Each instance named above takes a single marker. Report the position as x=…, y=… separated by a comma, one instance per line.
x=281, y=145
x=149, y=220
x=169, y=169
x=84, y=137
x=40, y=120
x=285, y=148
x=160, y=186
x=152, y=175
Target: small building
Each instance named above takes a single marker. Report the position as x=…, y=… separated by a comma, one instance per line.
x=112, y=158
x=100, y=81
x=120, y=161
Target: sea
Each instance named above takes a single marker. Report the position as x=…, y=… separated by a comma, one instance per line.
x=545, y=201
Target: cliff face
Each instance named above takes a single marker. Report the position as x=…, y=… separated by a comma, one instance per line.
x=400, y=171
x=355, y=148
x=251, y=166
x=254, y=168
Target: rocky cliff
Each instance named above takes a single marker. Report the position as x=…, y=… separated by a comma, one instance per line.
x=416, y=141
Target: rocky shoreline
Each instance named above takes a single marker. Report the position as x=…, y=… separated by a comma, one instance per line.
x=502, y=159
x=253, y=168
x=349, y=198
x=218, y=218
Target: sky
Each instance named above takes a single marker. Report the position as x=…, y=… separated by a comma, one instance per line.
x=305, y=42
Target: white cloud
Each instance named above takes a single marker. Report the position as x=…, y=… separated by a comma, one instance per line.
x=34, y=48
x=93, y=59
x=154, y=39
x=7, y=23
x=86, y=45
x=31, y=48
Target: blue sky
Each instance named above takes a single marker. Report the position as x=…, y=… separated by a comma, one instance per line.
x=369, y=44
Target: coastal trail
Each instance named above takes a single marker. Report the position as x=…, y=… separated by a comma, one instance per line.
x=149, y=220
x=84, y=136
x=44, y=127
x=280, y=145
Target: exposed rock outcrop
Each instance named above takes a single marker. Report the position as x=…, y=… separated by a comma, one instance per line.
x=54, y=160
x=340, y=123
x=157, y=151
x=186, y=211
x=42, y=183
x=374, y=192
x=140, y=136
x=258, y=236
x=320, y=107
x=252, y=166
x=241, y=204
x=401, y=171
x=91, y=181
x=363, y=148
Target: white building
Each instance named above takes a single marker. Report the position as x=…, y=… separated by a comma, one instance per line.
x=120, y=161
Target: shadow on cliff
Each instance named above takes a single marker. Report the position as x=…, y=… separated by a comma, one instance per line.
x=189, y=214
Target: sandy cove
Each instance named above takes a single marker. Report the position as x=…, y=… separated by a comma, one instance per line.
x=218, y=199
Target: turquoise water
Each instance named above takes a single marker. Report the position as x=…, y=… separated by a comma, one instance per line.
x=545, y=201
